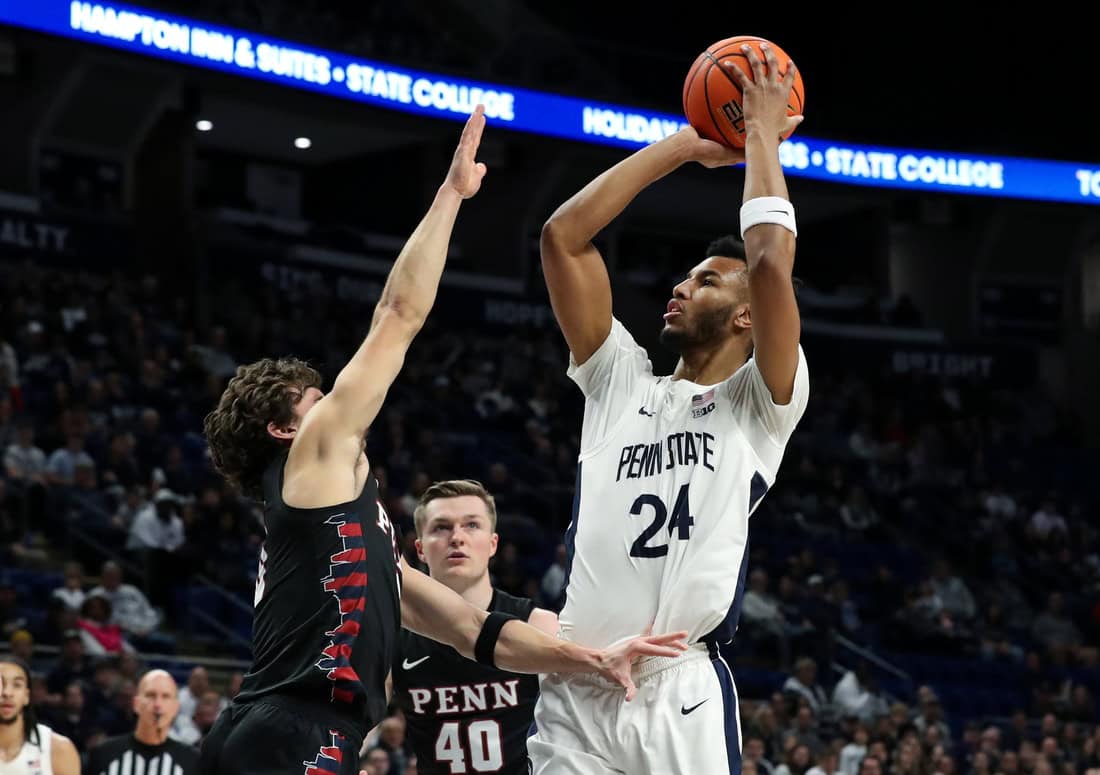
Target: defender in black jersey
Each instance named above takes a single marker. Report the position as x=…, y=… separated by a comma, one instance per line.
x=462, y=716
x=330, y=590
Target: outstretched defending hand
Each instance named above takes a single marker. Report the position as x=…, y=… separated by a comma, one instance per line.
x=465, y=174
x=709, y=153
x=615, y=662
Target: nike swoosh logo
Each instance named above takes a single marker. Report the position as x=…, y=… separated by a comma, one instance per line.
x=684, y=711
x=406, y=664
x=643, y=411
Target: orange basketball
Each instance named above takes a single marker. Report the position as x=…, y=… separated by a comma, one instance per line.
x=712, y=96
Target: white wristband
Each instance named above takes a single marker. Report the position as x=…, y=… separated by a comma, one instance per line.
x=768, y=209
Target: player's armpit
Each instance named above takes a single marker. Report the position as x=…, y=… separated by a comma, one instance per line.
x=63, y=756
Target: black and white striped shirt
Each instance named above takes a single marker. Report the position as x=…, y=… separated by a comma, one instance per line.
x=126, y=755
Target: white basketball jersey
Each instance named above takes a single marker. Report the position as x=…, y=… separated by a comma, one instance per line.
x=32, y=759
x=668, y=474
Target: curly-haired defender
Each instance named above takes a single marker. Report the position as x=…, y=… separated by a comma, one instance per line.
x=270, y=392
x=331, y=592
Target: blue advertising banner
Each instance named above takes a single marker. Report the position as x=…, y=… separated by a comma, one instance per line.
x=178, y=39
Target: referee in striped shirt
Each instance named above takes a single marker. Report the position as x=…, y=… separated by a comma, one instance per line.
x=147, y=751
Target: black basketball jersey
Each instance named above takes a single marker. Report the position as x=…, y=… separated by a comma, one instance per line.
x=462, y=716
x=327, y=603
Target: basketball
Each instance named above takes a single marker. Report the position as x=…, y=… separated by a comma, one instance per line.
x=712, y=96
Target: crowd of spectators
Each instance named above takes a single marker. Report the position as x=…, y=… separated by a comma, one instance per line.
x=914, y=515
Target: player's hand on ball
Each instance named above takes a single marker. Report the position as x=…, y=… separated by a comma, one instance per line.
x=709, y=153
x=614, y=663
x=466, y=173
x=764, y=96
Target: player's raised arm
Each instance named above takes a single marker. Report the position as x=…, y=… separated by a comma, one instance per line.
x=437, y=612
x=407, y=298
x=580, y=289
x=767, y=221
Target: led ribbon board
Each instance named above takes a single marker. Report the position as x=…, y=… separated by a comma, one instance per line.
x=183, y=40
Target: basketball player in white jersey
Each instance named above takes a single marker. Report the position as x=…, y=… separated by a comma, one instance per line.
x=670, y=468
x=27, y=747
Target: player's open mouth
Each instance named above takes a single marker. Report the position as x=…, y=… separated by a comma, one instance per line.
x=674, y=309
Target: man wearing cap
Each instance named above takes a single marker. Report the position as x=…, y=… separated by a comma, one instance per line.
x=147, y=749
x=158, y=526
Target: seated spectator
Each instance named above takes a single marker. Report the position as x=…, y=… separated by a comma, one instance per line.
x=804, y=728
x=803, y=684
x=931, y=717
x=391, y=739
x=131, y=609
x=953, y=594
x=198, y=686
x=61, y=467
x=158, y=526
x=72, y=665
x=999, y=503
x=11, y=619
x=73, y=717
x=1054, y=630
x=206, y=712
x=24, y=463
x=90, y=508
x=827, y=763
x=21, y=645
x=376, y=762
x=871, y=765
x=857, y=513
x=1046, y=523
x=853, y=752
x=233, y=688
x=754, y=752
x=100, y=636
x=552, y=587
x=762, y=610
x=72, y=592
x=855, y=695
x=796, y=762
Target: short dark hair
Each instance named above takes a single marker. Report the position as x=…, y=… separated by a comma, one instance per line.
x=728, y=246
x=731, y=247
x=261, y=392
x=453, y=488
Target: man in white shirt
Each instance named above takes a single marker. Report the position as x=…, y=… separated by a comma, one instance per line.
x=130, y=608
x=198, y=684
x=158, y=525
x=854, y=696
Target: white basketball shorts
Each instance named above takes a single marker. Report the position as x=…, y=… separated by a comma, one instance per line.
x=683, y=720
